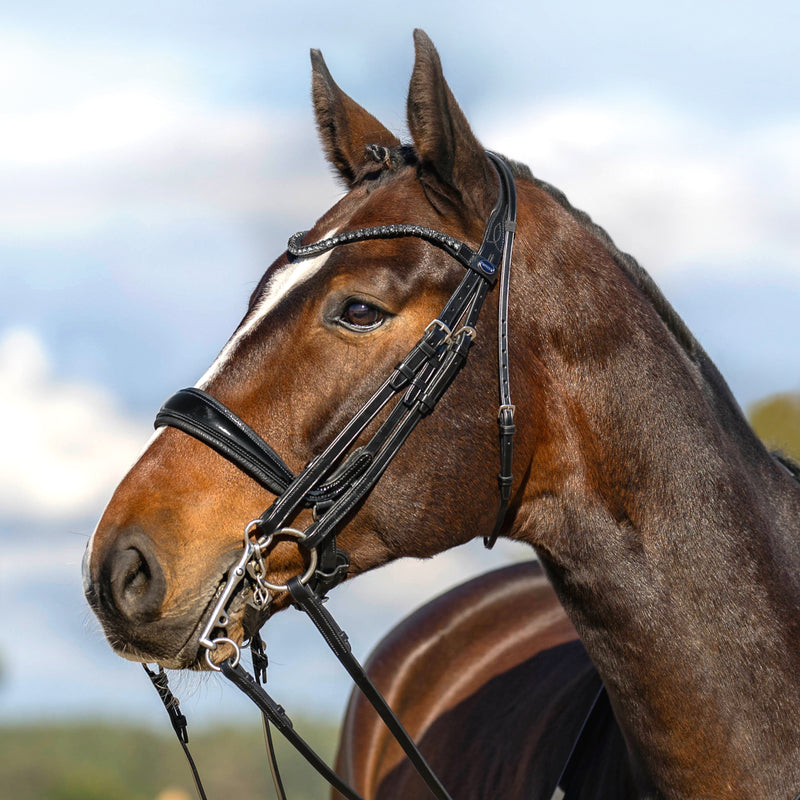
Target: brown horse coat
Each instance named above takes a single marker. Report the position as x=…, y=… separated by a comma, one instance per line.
x=487, y=678
x=669, y=533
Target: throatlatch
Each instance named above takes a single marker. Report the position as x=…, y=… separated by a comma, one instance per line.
x=336, y=480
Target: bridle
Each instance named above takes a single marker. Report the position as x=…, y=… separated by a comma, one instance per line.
x=335, y=481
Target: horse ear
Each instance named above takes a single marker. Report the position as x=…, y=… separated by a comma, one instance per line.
x=453, y=162
x=344, y=127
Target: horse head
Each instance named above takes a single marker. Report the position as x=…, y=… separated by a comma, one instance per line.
x=319, y=336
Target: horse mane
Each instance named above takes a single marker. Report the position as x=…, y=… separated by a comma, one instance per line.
x=642, y=280
x=626, y=262
x=788, y=462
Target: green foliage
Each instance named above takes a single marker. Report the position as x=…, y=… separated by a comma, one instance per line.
x=100, y=762
x=776, y=420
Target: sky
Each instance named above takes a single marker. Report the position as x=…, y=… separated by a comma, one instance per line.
x=155, y=157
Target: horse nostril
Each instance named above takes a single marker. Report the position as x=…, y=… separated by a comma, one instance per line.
x=133, y=574
x=134, y=581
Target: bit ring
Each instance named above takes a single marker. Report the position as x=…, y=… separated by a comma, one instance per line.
x=312, y=559
x=223, y=640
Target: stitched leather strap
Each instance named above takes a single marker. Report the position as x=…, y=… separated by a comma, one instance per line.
x=161, y=683
x=197, y=413
x=260, y=663
x=278, y=717
x=458, y=250
x=339, y=644
x=505, y=415
x=422, y=398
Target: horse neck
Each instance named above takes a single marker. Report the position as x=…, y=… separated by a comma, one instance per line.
x=669, y=532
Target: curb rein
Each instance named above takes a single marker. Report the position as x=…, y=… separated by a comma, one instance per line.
x=336, y=480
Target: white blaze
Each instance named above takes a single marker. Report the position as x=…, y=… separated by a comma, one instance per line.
x=284, y=280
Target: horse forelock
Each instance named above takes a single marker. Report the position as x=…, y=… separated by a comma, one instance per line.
x=384, y=162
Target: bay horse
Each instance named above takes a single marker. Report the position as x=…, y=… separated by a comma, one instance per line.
x=669, y=534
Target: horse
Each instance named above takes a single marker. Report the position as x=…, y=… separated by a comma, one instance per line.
x=669, y=533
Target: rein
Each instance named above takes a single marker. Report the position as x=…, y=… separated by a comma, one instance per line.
x=334, y=482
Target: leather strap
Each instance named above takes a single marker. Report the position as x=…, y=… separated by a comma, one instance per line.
x=419, y=401
x=197, y=413
x=203, y=417
x=505, y=415
x=564, y=782
x=457, y=249
x=260, y=663
x=161, y=683
x=273, y=713
x=339, y=644
x=278, y=717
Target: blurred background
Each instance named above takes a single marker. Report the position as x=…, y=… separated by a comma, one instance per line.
x=155, y=157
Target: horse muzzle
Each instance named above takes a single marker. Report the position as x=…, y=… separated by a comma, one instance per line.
x=126, y=586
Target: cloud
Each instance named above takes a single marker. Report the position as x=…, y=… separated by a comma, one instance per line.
x=145, y=158
x=91, y=141
x=66, y=444
x=107, y=146
x=673, y=190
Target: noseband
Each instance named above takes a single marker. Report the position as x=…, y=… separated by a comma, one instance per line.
x=335, y=481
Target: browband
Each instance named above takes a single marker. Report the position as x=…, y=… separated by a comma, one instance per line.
x=481, y=263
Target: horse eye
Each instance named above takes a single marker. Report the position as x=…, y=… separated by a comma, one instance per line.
x=360, y=316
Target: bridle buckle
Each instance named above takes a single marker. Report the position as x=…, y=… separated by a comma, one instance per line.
x=437, y=323
x=511, y=409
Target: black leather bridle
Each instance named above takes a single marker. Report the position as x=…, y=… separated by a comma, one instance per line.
x=334, y=482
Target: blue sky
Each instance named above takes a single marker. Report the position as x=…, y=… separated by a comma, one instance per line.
x=154, y=158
